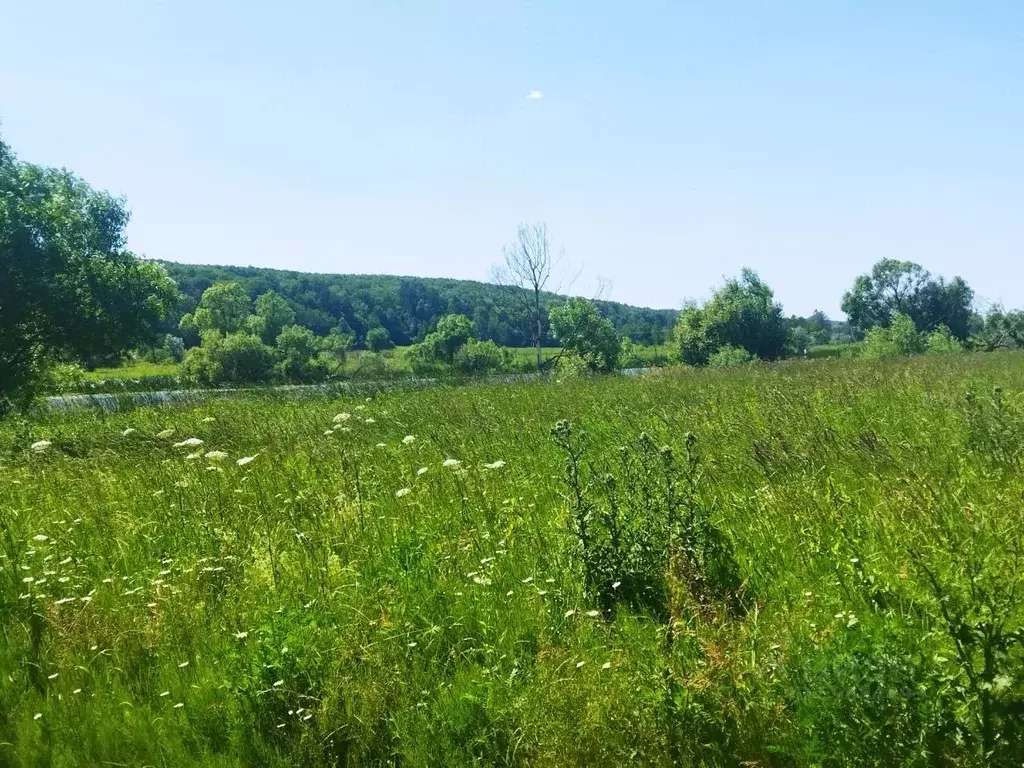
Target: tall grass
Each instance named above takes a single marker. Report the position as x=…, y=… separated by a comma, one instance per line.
x=403, y=580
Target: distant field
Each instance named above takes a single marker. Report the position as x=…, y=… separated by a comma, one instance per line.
x=802, y=564
x=136, y=370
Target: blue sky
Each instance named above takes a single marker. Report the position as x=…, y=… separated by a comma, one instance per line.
x=674, y=143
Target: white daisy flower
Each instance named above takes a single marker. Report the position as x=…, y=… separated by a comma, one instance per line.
x=216, y=455
x=339, y=418
x=421, y=472
x=245, y=460
x=189, y=442
x=451, y=463
x=402, y=492
x=495, y=464
x=40, y=445
x=409, y=439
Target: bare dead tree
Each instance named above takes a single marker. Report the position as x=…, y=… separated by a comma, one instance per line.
x=527, y=267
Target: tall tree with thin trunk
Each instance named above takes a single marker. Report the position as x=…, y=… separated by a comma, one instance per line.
x=527, y=266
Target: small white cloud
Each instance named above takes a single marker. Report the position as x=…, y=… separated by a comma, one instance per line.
x=535, y=95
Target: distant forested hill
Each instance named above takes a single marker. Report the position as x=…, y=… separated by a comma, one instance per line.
x=408, y=307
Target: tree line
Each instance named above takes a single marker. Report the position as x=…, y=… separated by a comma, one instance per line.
x=405, y=308
x=71, y=292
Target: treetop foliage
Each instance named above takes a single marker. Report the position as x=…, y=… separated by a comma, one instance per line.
x=408, y=308
x=743, y=314
x=903, y=287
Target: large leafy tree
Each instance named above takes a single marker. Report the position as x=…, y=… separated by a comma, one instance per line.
x=224, y=307
x=743, y=313
x=452, y=332
x=903, y=287
x=273, y=313
x=69, y=288
x=581, y=330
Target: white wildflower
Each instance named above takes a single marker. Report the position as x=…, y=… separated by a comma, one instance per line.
x=483, y=580
x=593, y=614
x=208, y=419
x=370, y=420
x=279, y=683
x=40, y=537
x=129, y=431
x=569, y=613
x=342, y=417
x=606, y=665
x=179, y=705
x=402, y=492
x=37, y=715
x=40, y=445
x=409, y=439
x=216, y=455
x=193, y=456
x=495, y=464
x=245, y=460
x=451, y=463
x=421, y=472
x=241, y=635
x=579, y=665
x=189, y=442
x=165, y=434
x=382, y=445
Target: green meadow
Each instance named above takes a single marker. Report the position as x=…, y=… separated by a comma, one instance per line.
x=802, y=564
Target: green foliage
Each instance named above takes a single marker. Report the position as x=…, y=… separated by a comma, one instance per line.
x=898, y=339
x=999, y=330
x=275, y=314
x=407, y=307
x=452, y=332
x=692, y=343
x=629, y=354
x=175, y=348
x=942, y=342
x=296, y=350
x=224, y=308
x=378, y=339
x=643, y=534
x=69, y=290
x=581, y=330
x=727, y=356
x=234, y=359
x=336, y=346
x=477, y=358
x=743, y=313
x=63, y=377
x=905, y=288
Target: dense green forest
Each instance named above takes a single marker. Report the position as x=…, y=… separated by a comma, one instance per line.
x=408, y=307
